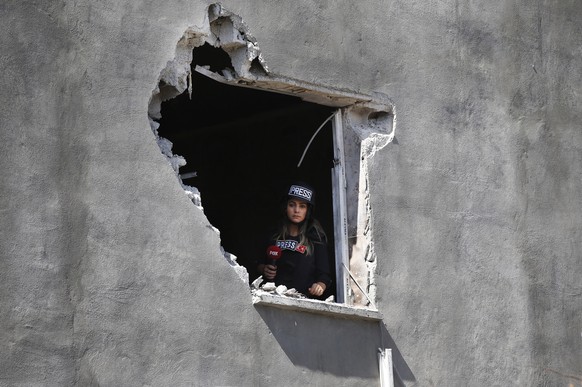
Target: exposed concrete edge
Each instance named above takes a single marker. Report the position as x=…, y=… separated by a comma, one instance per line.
x=316, y=307
x=310, y=92
x=368, y=129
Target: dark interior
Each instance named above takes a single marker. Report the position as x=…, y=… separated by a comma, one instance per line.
x=245, y=144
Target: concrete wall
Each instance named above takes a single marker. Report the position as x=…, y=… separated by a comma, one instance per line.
x=110, y=276
x=479, y=202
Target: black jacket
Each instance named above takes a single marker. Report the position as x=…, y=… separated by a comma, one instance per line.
x=297, y=269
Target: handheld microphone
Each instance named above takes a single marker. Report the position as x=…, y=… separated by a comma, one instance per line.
x=274, y=253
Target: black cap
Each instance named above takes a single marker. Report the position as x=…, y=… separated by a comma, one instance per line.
x=302, y=191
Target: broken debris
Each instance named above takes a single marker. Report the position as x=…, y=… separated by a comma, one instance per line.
x=270, y=288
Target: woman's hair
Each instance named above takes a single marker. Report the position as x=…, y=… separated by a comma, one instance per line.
x=310, y=231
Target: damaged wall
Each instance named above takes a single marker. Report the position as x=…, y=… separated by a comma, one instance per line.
x=110, y=276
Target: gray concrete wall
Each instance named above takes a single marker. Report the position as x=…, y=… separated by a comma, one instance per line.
x=478, y=205
x=110, y=276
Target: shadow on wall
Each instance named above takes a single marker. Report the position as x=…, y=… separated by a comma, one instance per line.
x=326, y=344
x=402, y=373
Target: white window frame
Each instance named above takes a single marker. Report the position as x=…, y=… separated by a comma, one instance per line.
x=340, y=217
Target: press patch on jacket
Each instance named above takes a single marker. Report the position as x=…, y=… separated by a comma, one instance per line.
x=292, y=245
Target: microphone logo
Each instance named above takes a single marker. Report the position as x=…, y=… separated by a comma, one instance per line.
x=273, y=254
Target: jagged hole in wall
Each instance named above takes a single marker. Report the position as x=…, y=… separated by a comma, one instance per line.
x=234, y=132
x=242, y=147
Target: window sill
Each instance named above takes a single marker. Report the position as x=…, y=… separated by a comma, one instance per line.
x=316, y=306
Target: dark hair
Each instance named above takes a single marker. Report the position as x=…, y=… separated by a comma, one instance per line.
x=310, y=230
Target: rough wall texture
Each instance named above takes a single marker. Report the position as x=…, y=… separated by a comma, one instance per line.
x=478, y=214
x=110, y=276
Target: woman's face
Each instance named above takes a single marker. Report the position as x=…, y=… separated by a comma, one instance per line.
x=296, y=210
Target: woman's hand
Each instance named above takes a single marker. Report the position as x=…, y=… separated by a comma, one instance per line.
x=270, y=271
x=317, y=289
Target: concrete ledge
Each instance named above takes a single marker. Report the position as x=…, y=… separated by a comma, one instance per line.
x=317, y=307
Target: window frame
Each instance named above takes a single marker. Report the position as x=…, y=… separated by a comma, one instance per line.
x=340, y=217
x=344, y=102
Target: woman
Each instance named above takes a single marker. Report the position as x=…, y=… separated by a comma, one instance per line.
x=303, y=262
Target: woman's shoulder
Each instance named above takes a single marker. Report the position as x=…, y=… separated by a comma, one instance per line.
x=269, y=237
x=315, y=234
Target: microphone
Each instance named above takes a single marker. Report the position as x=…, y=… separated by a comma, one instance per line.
x=274, y=253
